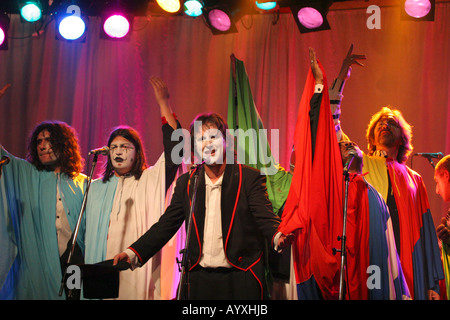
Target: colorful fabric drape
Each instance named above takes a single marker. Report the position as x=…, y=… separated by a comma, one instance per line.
x=314, y=211
x=313, y=207
x=419, y=251
x=252, y=145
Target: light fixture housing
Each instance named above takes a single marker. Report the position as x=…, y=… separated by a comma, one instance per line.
x=418, y=10
x=221, y=16
x=193, y=8
x=31, y=11
x=71, y=24
x=4, y=27
x=311, y=16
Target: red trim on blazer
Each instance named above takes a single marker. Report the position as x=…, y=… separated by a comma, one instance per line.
x=195, y=223
x=164, y=120
x=232, y=218
x=137, y=254
x=260, y=284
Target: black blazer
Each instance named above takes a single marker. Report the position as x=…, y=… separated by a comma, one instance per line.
x=246, y=221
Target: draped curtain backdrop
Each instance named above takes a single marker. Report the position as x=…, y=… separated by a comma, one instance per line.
x=99, y=84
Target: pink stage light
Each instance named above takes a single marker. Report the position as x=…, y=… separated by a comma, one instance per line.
x=310, y=18
x=2, y=36
x=116, y=26
x=417, y=8
x=219, y=20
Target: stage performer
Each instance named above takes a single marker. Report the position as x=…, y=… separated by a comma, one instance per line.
x=129, y=198
x=42, y=200
x=389, y=145
x=314, y=210
x=442, y=178
x=231, y=218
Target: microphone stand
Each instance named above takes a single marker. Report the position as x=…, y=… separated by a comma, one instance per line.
x=343, y=238
x=184, y=278
x=77, y=227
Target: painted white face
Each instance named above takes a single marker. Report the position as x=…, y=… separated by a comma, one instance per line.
x=44, y=149
x=210, y=145
x=123, y=155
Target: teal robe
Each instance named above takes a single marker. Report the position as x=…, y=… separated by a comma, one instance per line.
x=29, y=205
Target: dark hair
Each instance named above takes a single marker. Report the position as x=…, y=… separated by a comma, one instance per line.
x=212, y=119
x=133, y=136
x=406, y=147
x=64, y=141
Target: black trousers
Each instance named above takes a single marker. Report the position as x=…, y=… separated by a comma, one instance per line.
x=226, y=283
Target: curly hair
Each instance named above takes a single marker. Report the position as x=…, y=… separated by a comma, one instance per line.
x=406, y=146
x=133, y=136
x=64, y=141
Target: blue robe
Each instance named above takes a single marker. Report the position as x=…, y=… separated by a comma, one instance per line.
x=29, y=199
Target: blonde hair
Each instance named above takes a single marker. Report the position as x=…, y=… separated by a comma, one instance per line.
x=406, y=146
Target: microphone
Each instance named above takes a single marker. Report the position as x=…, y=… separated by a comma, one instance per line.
x=350, y=157
x=198, y=165
x=437, y=155
x=103, y=150
x=4, y=160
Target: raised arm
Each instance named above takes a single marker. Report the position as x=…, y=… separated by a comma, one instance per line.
x=162, y=98
x=337, y=87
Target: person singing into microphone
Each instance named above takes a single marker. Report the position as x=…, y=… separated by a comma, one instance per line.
x=389, y=138
x=43, y=199
x=129, y=198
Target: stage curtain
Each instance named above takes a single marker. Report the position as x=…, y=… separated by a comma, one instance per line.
x=99, y=84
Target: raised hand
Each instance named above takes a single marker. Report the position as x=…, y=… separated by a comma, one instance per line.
x=349, y=60
x=317, y=72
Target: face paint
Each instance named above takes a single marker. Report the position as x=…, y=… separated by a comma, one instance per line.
x=210, y=145
x=44, y=149
x=123, y=155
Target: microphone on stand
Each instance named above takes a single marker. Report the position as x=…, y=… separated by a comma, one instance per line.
x=437, y=155
x=350, y=157
x=103, y=150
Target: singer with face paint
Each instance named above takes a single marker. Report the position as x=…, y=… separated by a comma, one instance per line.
x=42, y=197
x=231, y=217
x=129, y=198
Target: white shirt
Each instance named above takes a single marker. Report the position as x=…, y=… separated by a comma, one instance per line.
x=213, y=253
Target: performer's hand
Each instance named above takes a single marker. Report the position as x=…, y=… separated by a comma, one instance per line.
x=121, y=257
x=317, y=72
x=443, y=232
x=285, y=241
x=349, y=60
x=433, y=295
x=160, y=89
x=3, y=90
